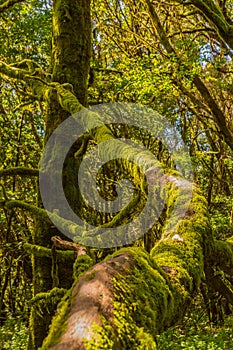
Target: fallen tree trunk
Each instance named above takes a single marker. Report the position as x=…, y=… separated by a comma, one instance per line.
x=126, y=300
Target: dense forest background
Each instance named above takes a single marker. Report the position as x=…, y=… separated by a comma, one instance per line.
x=172, y=56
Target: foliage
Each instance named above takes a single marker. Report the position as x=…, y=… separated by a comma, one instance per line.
x=221, y=216
x=197, y=333
x=22, y=129
x=14, y=334
x=162, y=75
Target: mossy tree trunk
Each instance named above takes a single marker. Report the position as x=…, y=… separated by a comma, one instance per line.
x=71, y=47
x=126, y=300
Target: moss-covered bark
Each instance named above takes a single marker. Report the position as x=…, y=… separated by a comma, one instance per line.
x=123, y=302
x=126, y=300
x=34, y=210
x=71, y=45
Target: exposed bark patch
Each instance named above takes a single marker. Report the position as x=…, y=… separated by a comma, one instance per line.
x=91, y=299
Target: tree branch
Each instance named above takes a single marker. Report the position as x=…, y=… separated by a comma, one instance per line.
x=66, y=245
x=12, y=204
x=22, y=171
x=215, y=16
x=62, y=256
x=191, y=31
x=210, y=101
x=159, y=28
x=120, y=289
x=217, y=113
x=43, y=89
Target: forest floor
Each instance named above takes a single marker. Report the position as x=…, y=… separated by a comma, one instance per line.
x=196, y=333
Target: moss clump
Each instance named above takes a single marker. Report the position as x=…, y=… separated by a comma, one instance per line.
x=125, y=336
x=62, y=256
x=51, y=297
x=81, y=265
x=91, y=276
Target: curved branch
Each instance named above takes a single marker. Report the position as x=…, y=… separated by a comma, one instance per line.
x=12, y=204
x=200, y=86
x=42, y=89
x=215, y=16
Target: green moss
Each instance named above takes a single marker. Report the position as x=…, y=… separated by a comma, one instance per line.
x=45, y=303
x=62, y=256
x=142, y=302
x=128, y=335
x=160, y=286
x=38, y=250
x=223, y=255
x=81, y=265
x=51, y=297
x=38, y=212
x=58, y=325
x=22, y=171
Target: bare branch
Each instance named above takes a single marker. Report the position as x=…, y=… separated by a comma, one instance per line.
x=66, y=245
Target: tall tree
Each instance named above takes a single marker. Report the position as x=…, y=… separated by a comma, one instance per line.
x=71, y=47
